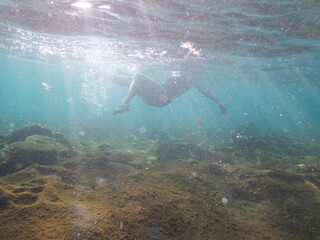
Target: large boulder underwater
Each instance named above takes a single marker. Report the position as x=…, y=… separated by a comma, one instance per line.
x=34, y=149
x=28, y=145
x=37, y=144
x=26, y=131
x=167, y=151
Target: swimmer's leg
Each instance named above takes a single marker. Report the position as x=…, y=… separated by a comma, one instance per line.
x=150, y=91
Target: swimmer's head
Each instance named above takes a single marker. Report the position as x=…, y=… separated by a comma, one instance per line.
x=187, y=68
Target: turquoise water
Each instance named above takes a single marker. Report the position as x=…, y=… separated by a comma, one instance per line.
x=260, y=58
x=183, y=171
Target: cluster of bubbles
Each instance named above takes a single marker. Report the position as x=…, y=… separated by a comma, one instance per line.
x=94, y=88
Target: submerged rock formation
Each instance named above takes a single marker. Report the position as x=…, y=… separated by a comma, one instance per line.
x=165, y=151
x=22, y=133
x=35, y=149
x=51, y=190
x=4, y=200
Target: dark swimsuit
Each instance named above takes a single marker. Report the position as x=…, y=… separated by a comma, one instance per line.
x=175, y=86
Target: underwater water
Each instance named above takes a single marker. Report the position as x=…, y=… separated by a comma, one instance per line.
x=71, y=169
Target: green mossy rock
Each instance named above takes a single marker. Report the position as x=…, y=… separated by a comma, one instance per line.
x=2, y=141
x=247, y=129
x=60, y=138
x=35, y=149
x=166, y=151
x=4, y=200
x=67, y=153
x=24, y=132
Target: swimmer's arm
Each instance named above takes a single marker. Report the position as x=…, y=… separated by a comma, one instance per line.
x=209, y=94
x=206, y=92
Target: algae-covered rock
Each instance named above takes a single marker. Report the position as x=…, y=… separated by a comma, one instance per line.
x=247, y=129
x=2, y=155
x=41, y=139
x=165, y=151
x=272, y=151
x=156, y=134
x=35, y=149
x=216, y=169
x=4, y=200
x=22, y=133
x=25, y=199
x=67, y=153
x=108, y=153
x=106, y=148
x=2, y=141
x=60, y=138
x=244, y=146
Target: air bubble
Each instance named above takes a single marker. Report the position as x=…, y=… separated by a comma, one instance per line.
x=143, y=130
x=225, y=201
x=82, y=133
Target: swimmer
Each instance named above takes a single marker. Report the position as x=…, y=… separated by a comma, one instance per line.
x=157, y=95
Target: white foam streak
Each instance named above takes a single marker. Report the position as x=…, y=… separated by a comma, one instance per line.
x=83, y=5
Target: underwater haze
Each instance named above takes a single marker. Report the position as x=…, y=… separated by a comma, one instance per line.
x=260, y=58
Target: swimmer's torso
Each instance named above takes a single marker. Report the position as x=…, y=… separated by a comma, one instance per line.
x=176, y=85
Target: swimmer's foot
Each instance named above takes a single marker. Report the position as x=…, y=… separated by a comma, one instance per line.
x=121, y=108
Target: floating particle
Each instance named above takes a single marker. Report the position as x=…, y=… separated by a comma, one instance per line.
x=46, y=86
x=82, y=133
x=175, y=73
x=100, y=181
x=142, y=130
x=225, y=201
